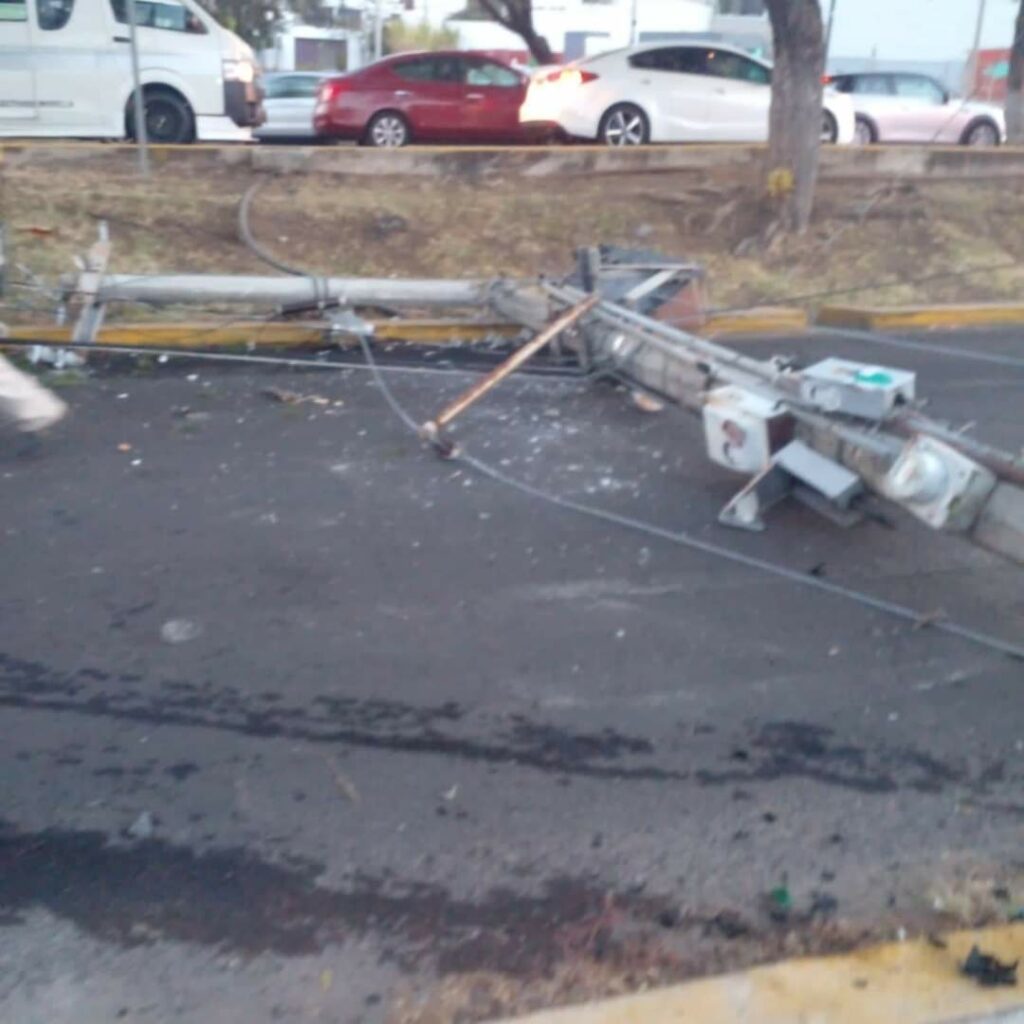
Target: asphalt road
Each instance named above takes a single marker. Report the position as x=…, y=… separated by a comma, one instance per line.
x=302, y=723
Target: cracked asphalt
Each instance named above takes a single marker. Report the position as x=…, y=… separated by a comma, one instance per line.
x=389, y=725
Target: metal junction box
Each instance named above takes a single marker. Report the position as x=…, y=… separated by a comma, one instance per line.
x=743, y=429
x=856, y=389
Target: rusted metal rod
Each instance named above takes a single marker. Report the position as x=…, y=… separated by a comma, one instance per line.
x=432, y=428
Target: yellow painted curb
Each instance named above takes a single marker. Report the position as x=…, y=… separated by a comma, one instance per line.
x=763, y=320
x=266, y=334
x=270, y=335
x=902, y=983
x=878, y=318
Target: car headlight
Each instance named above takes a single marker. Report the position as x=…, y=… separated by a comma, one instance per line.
x=239, y=71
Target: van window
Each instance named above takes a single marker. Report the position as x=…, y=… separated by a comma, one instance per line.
x=154, y=14
x=53, y=14
x=13, y=10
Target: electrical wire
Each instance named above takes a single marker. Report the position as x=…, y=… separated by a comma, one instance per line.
x=910, y=345
x=245, y=233
x=238, y=357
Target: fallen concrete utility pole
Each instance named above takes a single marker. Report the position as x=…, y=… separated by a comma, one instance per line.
x=288, y=291
x=823, y=434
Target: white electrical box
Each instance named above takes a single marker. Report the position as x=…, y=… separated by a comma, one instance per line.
x=856, y=389
x=938, y=484
x=743, y=429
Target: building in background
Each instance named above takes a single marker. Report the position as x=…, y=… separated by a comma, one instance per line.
x=989, y=74
x=331, y=39
x=743, y=23
x=573, y=28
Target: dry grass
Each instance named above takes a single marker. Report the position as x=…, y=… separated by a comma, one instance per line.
x=864, y=235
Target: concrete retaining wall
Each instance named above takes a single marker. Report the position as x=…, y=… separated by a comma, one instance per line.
x=534, y=162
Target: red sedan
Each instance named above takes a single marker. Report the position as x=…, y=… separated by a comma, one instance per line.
x=424, y=97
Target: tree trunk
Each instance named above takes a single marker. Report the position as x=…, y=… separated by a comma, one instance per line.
x=538, y=46
x=1015, y=84
x=517, y=16
x=796, y=112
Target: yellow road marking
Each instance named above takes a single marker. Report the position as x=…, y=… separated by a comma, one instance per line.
x=880, y=318
x=900, y=983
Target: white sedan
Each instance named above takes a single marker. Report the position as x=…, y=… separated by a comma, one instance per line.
x=668, y=93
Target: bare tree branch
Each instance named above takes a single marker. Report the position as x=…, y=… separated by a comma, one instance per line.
x=517, y=16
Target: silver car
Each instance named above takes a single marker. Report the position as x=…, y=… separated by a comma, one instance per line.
x=901, y=107
x=289, y=99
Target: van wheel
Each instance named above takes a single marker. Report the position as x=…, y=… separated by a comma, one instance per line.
x=169, y=119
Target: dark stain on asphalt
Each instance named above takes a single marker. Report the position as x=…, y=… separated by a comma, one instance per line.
x=231, y=900
x=374, y=724
x=182, y=770
x=786, y=750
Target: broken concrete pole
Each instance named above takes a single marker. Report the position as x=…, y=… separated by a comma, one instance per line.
x=1000, y=526
x=288, y=291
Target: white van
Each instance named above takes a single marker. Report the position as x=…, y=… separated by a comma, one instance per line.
x=65, y=70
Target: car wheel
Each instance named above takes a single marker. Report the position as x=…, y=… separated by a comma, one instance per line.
x=981, y=133
x=864, y=132
x=169, y=119
x=387, y=130
x=829, y=128
x=625, y=125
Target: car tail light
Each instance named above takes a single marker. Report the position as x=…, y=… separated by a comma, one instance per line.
x=827, y=79
x=571, y=76
x=330, y=90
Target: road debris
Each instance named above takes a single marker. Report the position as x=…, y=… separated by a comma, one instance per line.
x=646, y=402
x=142, y=827
x=286, y=397
x=58, y=358
x=987, y=970
x=345, y=785
x=180, y=631
x=432, y=430
x=778, y=903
